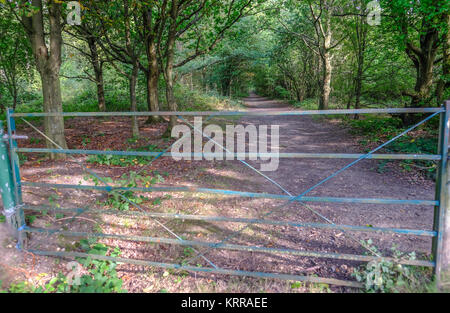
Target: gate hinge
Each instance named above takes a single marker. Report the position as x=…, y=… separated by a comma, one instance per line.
x=15, y=137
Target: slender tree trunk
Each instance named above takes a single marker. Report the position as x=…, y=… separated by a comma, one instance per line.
x=152, y=72
x=171, y=102
x=98, y=70
x=326, y=82
x=349, y=101
x=152, y=83
x=444, y=83
x=322, y=25
x=168, y=70
x=133, y=80
x=14, y=95
x=361, y=36
x=358, y=83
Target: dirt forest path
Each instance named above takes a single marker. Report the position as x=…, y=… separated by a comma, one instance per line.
x=297, y=134
x=307, y=134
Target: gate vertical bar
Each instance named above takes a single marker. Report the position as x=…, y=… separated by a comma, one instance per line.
x=441, y=192
x=15, y=171
x=7, y=184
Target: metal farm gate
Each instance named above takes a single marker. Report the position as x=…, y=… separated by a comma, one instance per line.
x=11, y=190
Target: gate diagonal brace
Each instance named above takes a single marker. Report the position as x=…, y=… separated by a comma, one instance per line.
x=121, y=195
x=292, y=198
x=311, y=188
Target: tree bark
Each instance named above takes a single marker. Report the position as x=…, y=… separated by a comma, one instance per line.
x=360, y=45
x=326, y=81
x=97, y=65
x=14, y=89
x=152, y=93
x=444, y=82
x=53, y=125
x=168, y=69
x=322, y=26
x=133, y=81
x=152, y=73
x=48, y=63
x=423, y=58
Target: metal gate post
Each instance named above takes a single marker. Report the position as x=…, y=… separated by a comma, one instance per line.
x=440, y=211
x=7, y=184
x=15, y=174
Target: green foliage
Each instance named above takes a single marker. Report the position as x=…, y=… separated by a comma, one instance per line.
x=101, y=276
x=296, y=285
x=195, y=100
x=117, y=199
x=307, y=104
x=21, y=287
x=376, y=127
x=388, y=276
x=122, y=160
x=15, y=55
x=380, y=129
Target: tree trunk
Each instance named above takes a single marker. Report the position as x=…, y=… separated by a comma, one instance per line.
x=423, y=58
x=361, y=36
x=424, y=82
x=168, y=70
x=48, y=63
x=133, y=80
x=53, y=125
x=171, y=102
x=444, y=83
x=152, y=94
x=422, y=90
x=152, y=69
x=14, y=95
x=326, y=82
x=358, y=84
x=98, y=70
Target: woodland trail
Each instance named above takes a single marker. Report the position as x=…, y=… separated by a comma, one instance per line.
x=297, y=134
x=308, y=134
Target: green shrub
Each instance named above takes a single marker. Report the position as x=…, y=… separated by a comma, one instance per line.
x=307, y=104
x=376, y=126
x=195, y=100
x=101, y=277
x=388, y=276
x=122, y=160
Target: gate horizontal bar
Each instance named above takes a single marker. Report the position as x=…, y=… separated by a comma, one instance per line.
x=226, y=246
x=311, y=279
x=237, y=155
x=235, y=113
x=236, y=193
x=414, y=232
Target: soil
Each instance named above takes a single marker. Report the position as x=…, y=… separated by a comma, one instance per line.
x=297, y=134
